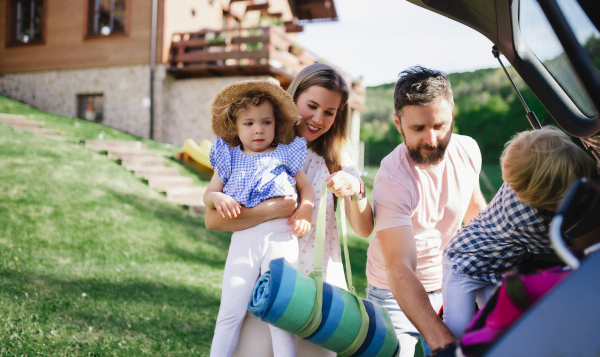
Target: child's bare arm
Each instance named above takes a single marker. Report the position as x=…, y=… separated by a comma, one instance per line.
x=302, y=217
x=214, y=198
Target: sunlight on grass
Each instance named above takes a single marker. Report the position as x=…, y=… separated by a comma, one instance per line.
x=92, y=260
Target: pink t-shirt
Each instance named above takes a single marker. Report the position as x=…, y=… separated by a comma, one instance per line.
x=433, y=200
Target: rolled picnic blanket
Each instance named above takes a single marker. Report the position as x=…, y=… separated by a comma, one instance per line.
x=346, y=323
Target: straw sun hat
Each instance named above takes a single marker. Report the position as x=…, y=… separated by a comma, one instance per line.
x=224, y=126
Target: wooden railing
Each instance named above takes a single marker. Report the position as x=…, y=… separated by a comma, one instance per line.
x=237, y=52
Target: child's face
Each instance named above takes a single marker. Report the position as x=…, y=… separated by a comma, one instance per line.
x=256, y=127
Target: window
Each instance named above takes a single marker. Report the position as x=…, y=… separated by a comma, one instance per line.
x=544, y=44
x=90, y=107
x=25, y=21
x=107, y=17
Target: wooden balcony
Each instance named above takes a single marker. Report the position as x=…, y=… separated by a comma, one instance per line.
x=237, y=52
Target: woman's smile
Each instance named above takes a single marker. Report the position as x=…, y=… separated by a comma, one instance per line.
x=318, y=107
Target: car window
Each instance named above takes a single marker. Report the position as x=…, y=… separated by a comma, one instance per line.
x=541, y=39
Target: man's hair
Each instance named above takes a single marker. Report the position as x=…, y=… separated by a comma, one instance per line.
x=230, y=135
x=540, y=165
x=421, y=86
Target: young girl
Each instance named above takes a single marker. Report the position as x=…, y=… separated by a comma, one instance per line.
x=538, y=167
x=252, y=163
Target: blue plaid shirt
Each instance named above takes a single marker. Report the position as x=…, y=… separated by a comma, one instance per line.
x=251, y=179
x=500, y=237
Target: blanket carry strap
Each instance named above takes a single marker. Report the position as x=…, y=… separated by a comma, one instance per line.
x=315, y=317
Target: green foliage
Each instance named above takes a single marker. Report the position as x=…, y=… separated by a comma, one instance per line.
x=378, y=130
x=592, y=47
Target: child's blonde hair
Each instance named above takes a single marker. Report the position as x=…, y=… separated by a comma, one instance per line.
x=540, y=165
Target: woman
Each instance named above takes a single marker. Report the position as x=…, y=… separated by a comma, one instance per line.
x=321, y=97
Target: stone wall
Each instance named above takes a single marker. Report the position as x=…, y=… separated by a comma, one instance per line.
x=124, y=89
x=187, y=107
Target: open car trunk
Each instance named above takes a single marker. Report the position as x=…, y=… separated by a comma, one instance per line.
x=554, y=45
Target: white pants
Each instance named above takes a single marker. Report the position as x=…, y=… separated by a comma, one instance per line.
x=255, y=341
x=250, y=253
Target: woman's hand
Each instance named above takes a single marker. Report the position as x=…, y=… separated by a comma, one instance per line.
x=359, y=212
x=343, y=184
x=279, y=207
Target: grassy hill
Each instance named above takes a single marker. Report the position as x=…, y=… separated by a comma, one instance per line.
x=92, y=260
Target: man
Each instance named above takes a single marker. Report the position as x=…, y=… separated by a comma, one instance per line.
x=422, y=193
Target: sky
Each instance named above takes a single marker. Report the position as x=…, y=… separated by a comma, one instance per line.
x=377, y=39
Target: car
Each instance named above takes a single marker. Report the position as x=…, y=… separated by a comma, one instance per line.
x=554, y=45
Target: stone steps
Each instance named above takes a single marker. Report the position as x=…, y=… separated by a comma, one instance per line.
x=114, y=145
x=21, y=123
x=150, y=171
x=152, y=168
x=143, y=161
x=164, y=183
x=25, y=125
x=196, y=209
x=125, y=154
x=189, y=197
x=133, y=156
x=182, y=194
x=15, y=119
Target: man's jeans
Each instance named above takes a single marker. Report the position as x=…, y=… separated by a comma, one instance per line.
x=406, y=332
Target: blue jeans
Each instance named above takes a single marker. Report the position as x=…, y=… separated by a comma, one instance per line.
x=460, y=294
x=406, y=332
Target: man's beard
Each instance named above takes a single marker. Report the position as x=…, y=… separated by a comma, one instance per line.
x=429, y=159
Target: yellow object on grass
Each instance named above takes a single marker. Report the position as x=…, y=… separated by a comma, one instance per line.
x=198, y=153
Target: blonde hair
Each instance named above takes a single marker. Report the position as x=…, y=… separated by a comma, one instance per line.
x=540, y=165
x=330, y=144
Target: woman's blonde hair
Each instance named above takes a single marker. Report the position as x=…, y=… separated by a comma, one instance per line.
x=330, y=144
x=540, y=165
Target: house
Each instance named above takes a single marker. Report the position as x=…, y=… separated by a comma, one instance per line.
x=104, y=60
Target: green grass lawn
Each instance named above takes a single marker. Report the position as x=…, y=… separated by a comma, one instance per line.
x=92, y=260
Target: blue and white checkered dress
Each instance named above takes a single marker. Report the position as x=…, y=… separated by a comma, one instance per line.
x=251, y=179
x=500, y=237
